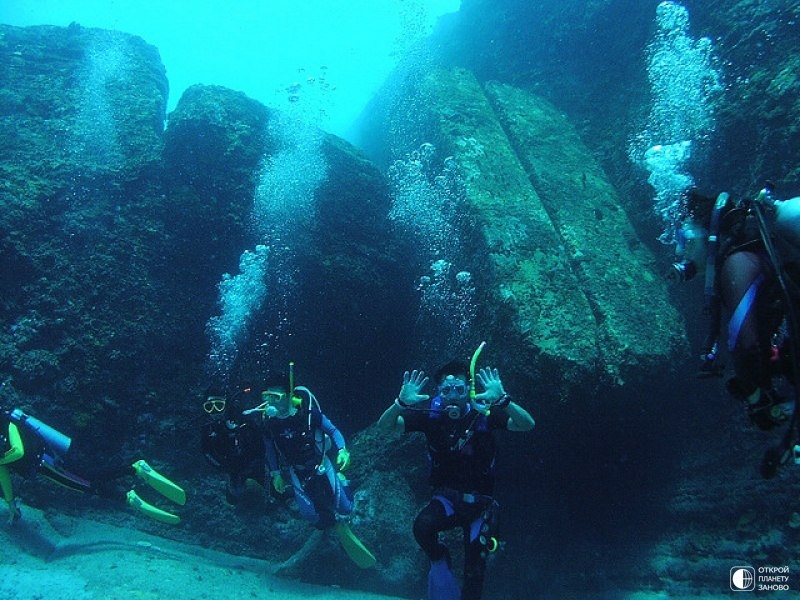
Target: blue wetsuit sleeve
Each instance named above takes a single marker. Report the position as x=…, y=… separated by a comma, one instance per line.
x=333, y=433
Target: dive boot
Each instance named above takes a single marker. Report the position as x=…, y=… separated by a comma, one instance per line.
x=151, y=511
x=159, y=483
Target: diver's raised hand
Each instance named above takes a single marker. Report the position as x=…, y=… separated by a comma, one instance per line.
x=492, y=386
x=413, y=383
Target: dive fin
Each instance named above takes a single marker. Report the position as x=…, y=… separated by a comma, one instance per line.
x=151, y=511
x=442, y=584
x=357, y=551
x=159, y=483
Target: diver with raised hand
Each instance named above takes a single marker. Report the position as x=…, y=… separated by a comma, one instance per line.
x=28, y=446
x=459, y=425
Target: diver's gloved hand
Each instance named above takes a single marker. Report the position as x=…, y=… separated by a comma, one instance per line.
x=413, y=383
x=343, y=459
x=492, y=386
x=14, y=513
x=278, y=483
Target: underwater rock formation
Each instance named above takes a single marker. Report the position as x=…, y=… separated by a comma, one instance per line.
x=555, y=250
x=634, y=320
x=116, y=231
x=82, y=113
x=240, y=175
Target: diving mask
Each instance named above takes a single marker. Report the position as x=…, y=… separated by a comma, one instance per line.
x=453, y=388
x=214, y=404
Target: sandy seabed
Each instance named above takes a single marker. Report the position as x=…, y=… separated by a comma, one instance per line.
x=90, y=560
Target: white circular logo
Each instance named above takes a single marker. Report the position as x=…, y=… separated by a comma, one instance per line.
x=742, y=579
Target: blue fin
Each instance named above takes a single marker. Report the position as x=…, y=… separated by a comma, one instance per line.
x=442, y=584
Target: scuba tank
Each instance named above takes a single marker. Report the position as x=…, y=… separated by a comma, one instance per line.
x=52, y=438
x=787, y=229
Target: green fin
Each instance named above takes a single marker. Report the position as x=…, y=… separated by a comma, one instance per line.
x=357, y=552
x=159, y=483
x=151, y=511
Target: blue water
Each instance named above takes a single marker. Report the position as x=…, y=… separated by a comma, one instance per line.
x=327, y=56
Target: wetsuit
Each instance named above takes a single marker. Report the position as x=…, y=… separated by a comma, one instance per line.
x=238, y=449
x=36, y=457
x=748, y=288
x=462, y=459
x=298, y=443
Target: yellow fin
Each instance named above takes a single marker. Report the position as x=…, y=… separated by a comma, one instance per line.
x=159, y=483
x=357, y=552
x=151, y=511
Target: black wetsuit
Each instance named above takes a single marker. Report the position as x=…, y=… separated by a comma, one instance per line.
x=748, y=289
x=237, y=449
x=462, y=459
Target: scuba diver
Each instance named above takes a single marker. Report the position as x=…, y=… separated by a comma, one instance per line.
x=28, y=446
x=749, y=255
x=232, y=444
x=459, y=426
x=298, y=437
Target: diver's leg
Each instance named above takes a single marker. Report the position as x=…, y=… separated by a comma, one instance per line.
x=437, y=516
x=474, y=560
x=54, y=471
x=342, y=495
x=235, y=488
x=742, y=281
x=304, y=502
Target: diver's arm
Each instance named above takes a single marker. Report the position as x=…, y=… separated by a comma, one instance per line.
x=271, y=456
x=392, y=419
x=16, y=450
x=335, y=435
x=519, y=419
x=274, y=466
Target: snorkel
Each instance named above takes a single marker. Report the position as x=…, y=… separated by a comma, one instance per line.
x=481, y=408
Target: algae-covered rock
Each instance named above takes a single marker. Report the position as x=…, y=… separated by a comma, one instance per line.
x=529, y=274
x=95, y=99
x=215, y=142
x=81, y=117
x=564, y=265
x=634, y=320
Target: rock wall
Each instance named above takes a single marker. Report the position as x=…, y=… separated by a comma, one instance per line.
x=569, y=287
x=82, y=113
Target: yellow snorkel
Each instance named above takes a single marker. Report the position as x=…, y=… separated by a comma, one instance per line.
x=481, y=408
